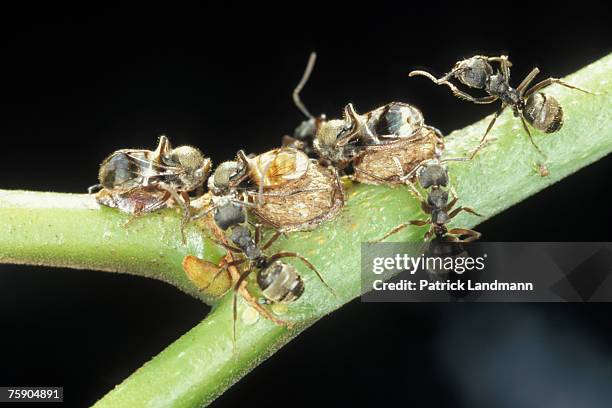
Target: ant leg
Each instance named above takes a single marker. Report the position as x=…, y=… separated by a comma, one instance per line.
x=306, y=262
x=132, y=218
x=525, y=83
x=458, y=93
x=225, y=268
x=337, y=188
x=272, y=239
x=406, y=177
x=226, y=246
x=452, y=203
x=531, y=137
x=186, y=198
x=257, y=233
x=370, y=175
x=484, y=138
x=179, y=201
x=505, y=64
x=426, y=207
x=157, y=205
x=202, y=214
x=241, y=279
x=150, y=208
x=472, y=235
x=500, y=59
x=415, y=192
x=400, y=227
x=94, y=189
x=190, y=259
x=428, y=235
x=503, y=61
x=550, y=81
x=457, y=210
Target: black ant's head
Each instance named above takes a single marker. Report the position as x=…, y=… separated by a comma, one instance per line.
x=473, y=72
x=433, y=174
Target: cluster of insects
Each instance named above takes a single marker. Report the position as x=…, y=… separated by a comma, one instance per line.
x=299, y=185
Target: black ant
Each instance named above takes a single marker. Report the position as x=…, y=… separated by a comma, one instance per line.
x=279, y=282
x=433, y=175
x=540, y=110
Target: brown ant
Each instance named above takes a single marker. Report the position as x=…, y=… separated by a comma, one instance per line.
x=540, y=110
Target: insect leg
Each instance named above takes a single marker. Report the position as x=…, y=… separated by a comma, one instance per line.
x=550, y=81
x=400, y=227
x=484, y=137
x=459, y=209
x=272, y=239
x=471, y=234
x=528, y=79
x=241, y=279
x=306, y=262
x=531, y=137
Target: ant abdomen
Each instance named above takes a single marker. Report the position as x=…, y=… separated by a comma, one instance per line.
x=280, y=283
x=543, y=112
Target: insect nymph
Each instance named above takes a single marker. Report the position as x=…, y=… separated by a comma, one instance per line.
x=367, y=146
x=137, y=180
x=289, y=191
x=540, y=110
x=400, y=142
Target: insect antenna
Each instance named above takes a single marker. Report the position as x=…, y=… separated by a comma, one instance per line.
x=296, y=92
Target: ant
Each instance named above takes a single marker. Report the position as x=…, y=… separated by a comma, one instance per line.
x=540, y=110
x=279, y=282
x=433, y=175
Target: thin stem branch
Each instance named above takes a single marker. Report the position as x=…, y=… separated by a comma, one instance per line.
x=65, y=230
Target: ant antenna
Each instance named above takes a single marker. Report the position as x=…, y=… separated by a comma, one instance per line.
x=296, y=92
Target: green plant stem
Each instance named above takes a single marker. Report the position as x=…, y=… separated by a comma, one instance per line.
x=72, y=230
x=202, y=363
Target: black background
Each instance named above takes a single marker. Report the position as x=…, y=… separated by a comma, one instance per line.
x=75, y=88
